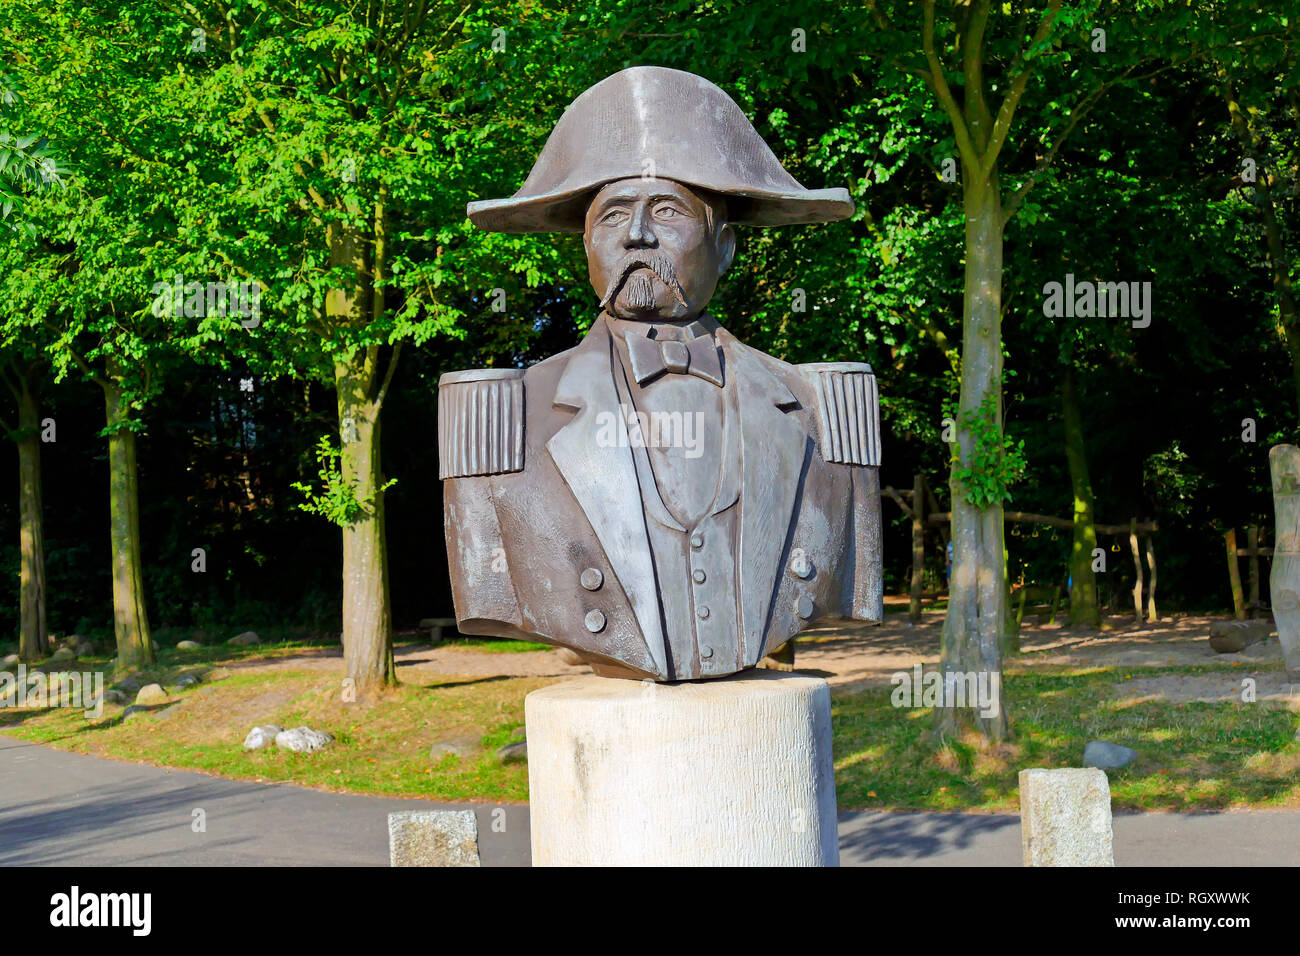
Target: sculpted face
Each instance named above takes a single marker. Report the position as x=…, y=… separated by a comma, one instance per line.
x=656, y=249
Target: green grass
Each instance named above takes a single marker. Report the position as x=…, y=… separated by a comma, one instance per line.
x=494, y=645
x=381, y=743
x=1192, y=756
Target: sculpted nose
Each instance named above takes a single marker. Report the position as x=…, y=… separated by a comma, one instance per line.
x=639, y=233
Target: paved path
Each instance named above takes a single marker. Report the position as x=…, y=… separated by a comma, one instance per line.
x=59, y=808
x=1255, y=838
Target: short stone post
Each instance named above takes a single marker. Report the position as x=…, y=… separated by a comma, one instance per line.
x=433, y=838
x=729, y=772
x=1065, y=818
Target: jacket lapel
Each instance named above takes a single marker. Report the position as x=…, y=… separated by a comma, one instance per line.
x=602, y=476
x=774, y=449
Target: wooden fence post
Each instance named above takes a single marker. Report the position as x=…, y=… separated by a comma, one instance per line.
x=1151, y=585
x=1252, y=553
x=918, y=548
x=1137, y=568
x=1234, y=574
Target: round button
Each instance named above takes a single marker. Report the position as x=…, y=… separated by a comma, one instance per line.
x=702, y=612
x=706, y=652
x=801, y=566
x=595, y=621
x=697, y=576
x=592, y=579
x=804, y=607
x=697, y=541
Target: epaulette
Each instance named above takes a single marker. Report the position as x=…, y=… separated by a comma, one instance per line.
x=480, y=422
x=848, y=410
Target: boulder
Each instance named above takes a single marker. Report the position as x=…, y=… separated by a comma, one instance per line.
x=1107, y=756
x=245, y=639
x=188, y=646
x=189, y=680
x=261, y=736
x=513, y=752
x=128, y=685
x=151, y=694
x=85, y=648
x=462, y=745
x=9, y=660
x=133, y=711
x=303, y=740
x=63, y=654
x=1232, y=637
x=112, y=696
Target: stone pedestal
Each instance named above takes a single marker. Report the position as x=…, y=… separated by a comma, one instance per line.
x=731, y=772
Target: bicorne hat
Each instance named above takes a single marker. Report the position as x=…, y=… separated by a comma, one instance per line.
x=649, y=121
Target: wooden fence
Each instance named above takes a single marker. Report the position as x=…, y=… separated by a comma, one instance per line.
x=914, y=504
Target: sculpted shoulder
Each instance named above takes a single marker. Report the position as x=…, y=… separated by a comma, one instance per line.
x=480, y=422
x=848, y=410
x=840, y=399
x=540, y=379
x=483, y=415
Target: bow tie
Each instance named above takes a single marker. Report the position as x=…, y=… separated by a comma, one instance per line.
x=653, y=357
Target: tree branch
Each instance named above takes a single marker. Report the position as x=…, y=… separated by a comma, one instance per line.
x=81, y=363
x=939, y=84
x=388, y=376
x=1007, y=111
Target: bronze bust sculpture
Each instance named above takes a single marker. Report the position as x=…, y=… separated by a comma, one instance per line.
x=664, y=500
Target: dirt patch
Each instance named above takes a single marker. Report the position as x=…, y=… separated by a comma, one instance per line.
x=423, y=663
x=852, y=653
x=1212, y=688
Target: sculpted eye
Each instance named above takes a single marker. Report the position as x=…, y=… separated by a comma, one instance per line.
x=613, y=217
x=667, y=212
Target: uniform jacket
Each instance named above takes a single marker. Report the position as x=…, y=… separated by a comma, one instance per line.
x=546, y=527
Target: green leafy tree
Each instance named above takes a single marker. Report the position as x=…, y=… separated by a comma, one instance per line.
x=994, y=69
x=349, y=140
x=84, y=282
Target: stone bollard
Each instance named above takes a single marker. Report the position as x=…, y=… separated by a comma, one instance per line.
x=728, y=772
x=1065, y=818
x=433, y=838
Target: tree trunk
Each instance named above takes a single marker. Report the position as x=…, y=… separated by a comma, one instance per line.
x=977, y=621
x=1083, y=581
x=130, y=618
x=33, y=640
x=367, y=615
x=1278, y=258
